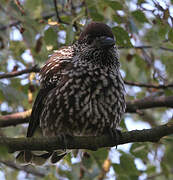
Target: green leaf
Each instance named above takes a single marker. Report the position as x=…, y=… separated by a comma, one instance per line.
x=50, y=37
x=123, y=177
x=87, y=161
x=122, y=37
x=168, y=92
x=34, y=8
x=3, y=152
x=163, y=30
x=123, y=174
x=115, y=5
x=130, y=167
x=50, y=177
x=139, y=16
x=68, y=159
x=139, y=150
x=141, y=1
x=170, y=35
x=117, y=168
x=151, y=169
x=95, y=15
x=17, y=48
x=165, y=169
x=100, y=156
x=126, y=177
x=117, y=19
x=70, y=35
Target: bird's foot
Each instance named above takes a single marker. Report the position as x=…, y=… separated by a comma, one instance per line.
x=57, y=157
x=115, y=135
x=63, y=139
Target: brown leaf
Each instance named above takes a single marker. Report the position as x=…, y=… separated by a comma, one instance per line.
x=129, y=57
x=38, y=45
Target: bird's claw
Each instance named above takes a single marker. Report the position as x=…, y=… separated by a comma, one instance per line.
x=115, y=135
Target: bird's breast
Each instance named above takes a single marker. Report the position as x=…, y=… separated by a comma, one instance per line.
x=86, y=101
x=95, y=99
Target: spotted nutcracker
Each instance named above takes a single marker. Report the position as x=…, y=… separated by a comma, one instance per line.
x=82, y=91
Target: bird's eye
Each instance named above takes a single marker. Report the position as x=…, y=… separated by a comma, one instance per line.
x=89, y=39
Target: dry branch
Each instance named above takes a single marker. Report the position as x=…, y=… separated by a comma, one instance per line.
x=79, y=142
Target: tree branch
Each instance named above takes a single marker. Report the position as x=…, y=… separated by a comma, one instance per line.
x=160, y=86
x=17, y=22
x=27, y=168
x=57, y=13
x=36, y=69
x=147, y=47
x=132, y=107
x=79, y=142
x=15, y=119
x=149, y=102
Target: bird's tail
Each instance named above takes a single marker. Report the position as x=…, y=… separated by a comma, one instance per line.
x=57, y=157
x=26, y=157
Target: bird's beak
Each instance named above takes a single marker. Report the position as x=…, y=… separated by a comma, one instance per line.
x=107, y=42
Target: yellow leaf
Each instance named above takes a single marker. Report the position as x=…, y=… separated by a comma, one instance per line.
x=53, y=23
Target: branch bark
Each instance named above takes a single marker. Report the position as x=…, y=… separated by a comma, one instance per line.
x=149, y=102
x=79, y=142
x=15, y=119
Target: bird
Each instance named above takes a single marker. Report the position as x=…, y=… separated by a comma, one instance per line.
x=81, y=92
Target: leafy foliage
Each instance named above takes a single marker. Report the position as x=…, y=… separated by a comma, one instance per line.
x=31, y=30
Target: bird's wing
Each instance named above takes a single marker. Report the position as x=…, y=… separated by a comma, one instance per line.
x=56, y=66
x=36, y=111
x=50, y=74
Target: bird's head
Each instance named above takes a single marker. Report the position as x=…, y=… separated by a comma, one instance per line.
x=97, y=35
x=96, y=43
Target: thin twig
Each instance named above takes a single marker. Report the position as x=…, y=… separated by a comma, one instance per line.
x=160, y=86
x=4, y=27
x=153, y=176
x=15, y=119
x=147, y=47
x=15, y=23
x=34, y=68
x=27, y=168
x=57, y=13
x=59, y=18
x=18, y=4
